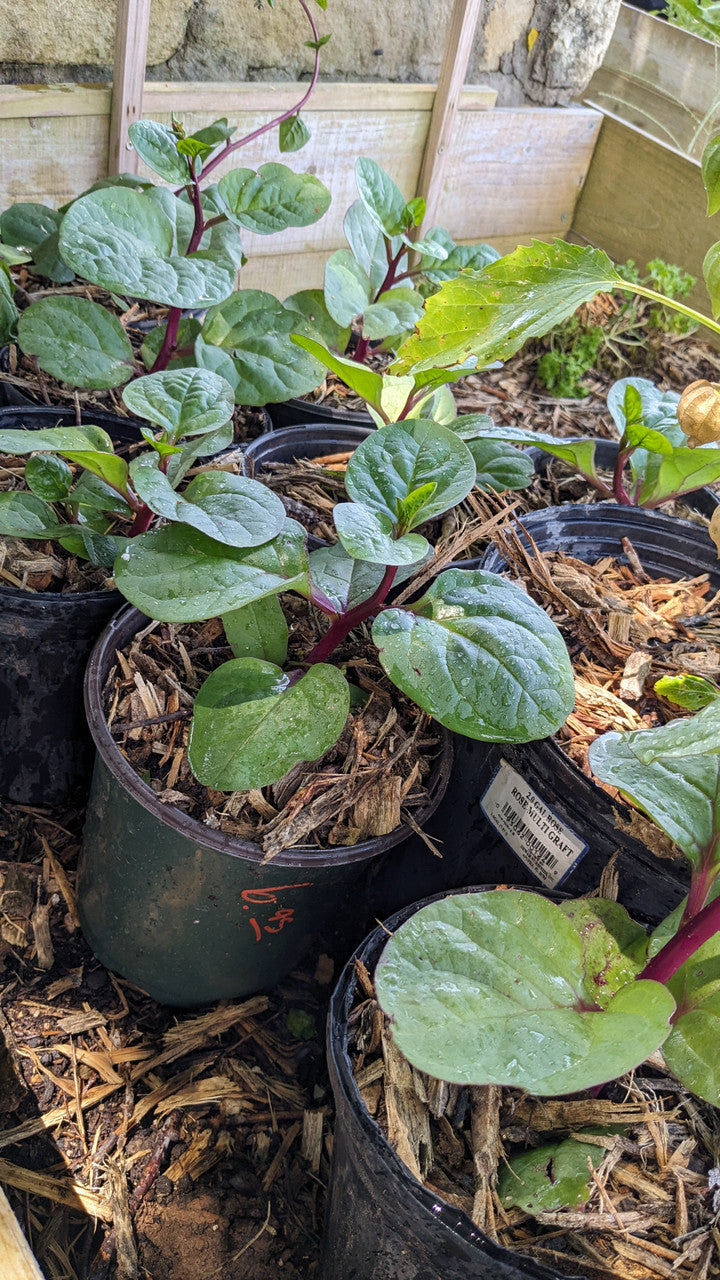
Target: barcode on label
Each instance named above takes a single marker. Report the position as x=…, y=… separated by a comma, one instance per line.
x=543, y=842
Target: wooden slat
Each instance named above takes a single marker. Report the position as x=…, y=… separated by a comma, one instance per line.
x=659, y=78
x=17, y=1259
x=131, y=38
x=453, y=70
x=228, y=98
x=660, y=213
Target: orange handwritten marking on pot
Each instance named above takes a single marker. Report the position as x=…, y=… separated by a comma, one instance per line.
x=260, y=896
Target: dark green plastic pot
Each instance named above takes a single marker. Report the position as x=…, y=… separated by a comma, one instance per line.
x=187, y=913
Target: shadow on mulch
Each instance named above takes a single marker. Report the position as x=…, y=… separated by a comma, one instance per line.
x=139, y=1140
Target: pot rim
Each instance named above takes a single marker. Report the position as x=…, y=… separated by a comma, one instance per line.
x=121, y=627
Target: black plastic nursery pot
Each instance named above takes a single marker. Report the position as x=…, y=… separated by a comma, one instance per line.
x=45, y=640
x=187, y=913
x=381, y=1223
x=296, y=412
x=526, y=814
x=314, y=440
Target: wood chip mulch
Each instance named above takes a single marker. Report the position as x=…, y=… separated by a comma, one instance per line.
x=653, y=1203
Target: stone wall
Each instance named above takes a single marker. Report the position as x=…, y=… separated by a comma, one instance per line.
x=46, y=41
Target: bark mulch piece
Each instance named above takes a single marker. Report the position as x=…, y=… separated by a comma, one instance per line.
x=653, y=1204
x=364, y=786
x=139, y=1141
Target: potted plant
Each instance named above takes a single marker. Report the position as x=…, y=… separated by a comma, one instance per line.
x=505, y=988
x=473, y=653
x=177, y=249
x=68, y=487
x=374, y=290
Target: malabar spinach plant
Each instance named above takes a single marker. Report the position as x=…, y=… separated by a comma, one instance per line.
x=90, y=498
x=655, y=460
x=560, y=997
x=374, y=290
x=179, y=248
x=474, y=651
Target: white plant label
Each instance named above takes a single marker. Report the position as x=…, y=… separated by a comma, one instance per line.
x=547, y=846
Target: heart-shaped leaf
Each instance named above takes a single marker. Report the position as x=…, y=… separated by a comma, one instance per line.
x=184, y=402
x=55, y=440
x=273, y=199
x=252, y=722
x=347, y=287
x=554, y=1176
x=178, y=574
x=392, y=463
x=258, y=630
x=382, y=197
x=480, y=656
x=368, y=535
x=343, y=580
x=491, y=314
x=48, y=477
x=48, y=261
x=504, y=975
x=395, y=312
x=680, y=793
x=76, y=340
x=26, y=225
x=310, y=304
x=23, y=515
x=499, y=466
x=254, y=328
x=293, y=134
x=156, y=144
x=123, y=241
x=367, y=243
x=234, y=510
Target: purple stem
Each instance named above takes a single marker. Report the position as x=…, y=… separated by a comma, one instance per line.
x=363, y=344
x=343, y=625
x=618, y=488
x=285, y=115
x=689, y=937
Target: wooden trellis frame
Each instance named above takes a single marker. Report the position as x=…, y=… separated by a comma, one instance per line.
x=131, y=41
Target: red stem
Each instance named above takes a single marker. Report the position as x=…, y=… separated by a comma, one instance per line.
x=363, y=344
x=250, y=137
x=343, y=625
x=169, y=341
x=618, y=488
x=684, y=944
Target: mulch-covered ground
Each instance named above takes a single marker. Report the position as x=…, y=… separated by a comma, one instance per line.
x=141, y=1141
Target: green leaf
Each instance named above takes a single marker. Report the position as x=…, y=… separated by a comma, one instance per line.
x=123, y=241
x=579, y=453
x=92, y=494
x=683, y=471
x=55, y=440
x=310, y=303
x=273, y=199
x=680, y=793
x=457, y=257
x=382, y=198
x=48, y=477
x=710, y=175
x=394, y=313
x=25, y=226
x=12, y=257
x=23, y=515
x=689, y=736
x=691, y=1048
x=711, y=275
x=481, y=657
x=504, y=975
x=258, y=630
x=76, y=340
x=317, y=44
x=554, y=1176
x=392, y=463
x=178, y=574
x=8, y=310
x=347, y=287
x=344, y=581
x=293, y=134
x=358, y=377
x=156, y=144
x=368, y=535
x=252, y=723
x=204, y=446
x=367, y=243
x=188, y=330
x=614, y=946
x=491, y=314
x=692, y=692
x=234, y=510
x=499, y=466
x=184, y=402
x=48, y=261
x=108, y=466
x=255, y=329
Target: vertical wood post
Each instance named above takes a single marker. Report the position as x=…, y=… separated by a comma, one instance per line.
x=454, y=67
x=131, y=38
